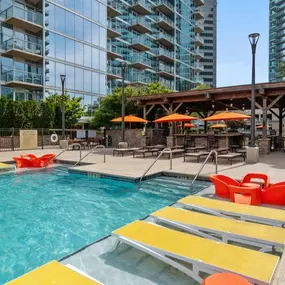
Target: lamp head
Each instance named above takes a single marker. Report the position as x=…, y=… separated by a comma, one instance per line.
x=253, y=38
x=62, y=77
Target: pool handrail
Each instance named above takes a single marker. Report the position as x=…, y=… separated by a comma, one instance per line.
x=157, y=158
x=212, y=152
x=97, y=146
x=74, y=144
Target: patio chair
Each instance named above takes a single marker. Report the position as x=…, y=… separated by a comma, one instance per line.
x=274, y=194
x=222, y=183
x=247, y=179
x=202, y=254
x=263, y=237
x=54, y=273
x=263, y=215
x=246, y=195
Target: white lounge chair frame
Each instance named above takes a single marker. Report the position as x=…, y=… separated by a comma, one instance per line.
x=262, y=245
x=197, y=266
x=225, y=214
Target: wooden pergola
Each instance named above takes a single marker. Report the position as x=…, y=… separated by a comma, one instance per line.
x=206, y=102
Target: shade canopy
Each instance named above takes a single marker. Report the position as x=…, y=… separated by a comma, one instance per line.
x=175, y=118
x=227, y=116
x=187, y=125
x=129, y=119
x=259, y=127
x=218, y=126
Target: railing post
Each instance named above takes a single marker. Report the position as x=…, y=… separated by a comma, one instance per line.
x=13, y=143
x=170, y=160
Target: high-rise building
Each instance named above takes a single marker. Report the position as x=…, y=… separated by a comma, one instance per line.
x=162, y=40
x=209, y=37
x=41, y=39
x=276, y=38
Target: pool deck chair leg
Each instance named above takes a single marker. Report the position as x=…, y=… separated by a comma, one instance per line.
x=159, y=254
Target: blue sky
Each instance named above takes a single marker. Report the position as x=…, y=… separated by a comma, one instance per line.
x=236, y=20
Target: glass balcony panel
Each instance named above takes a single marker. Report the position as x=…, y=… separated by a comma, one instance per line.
x=23, y=76
x=27, y=46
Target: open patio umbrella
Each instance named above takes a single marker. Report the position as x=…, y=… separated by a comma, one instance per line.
x=227, y=116
x=175, y=118
x=218, y=126
x=129, y=119
x=187, y=125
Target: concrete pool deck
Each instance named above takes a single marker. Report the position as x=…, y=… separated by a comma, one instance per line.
x=129, y=264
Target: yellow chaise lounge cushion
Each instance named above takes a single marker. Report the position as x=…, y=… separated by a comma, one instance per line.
x=52, y=273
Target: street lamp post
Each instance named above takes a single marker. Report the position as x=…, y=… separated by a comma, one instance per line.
x=123, y=67
x=62, y=77
x=253, y=39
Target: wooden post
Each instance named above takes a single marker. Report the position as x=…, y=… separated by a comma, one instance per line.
x=280, y=121
x=205, y=123
x=264, y=122
x=171, y=124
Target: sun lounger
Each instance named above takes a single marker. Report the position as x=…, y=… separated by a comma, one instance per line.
x=122, y=151
x=250, y=213
x=196, y=155
x=261, y=236
x=231, y=156
x=174, y=152
x=171, y=247
x=195, y=149
x=143, y=152
x=54, y=273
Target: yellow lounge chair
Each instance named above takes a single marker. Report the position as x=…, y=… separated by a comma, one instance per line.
x=54, y=273
x=269, y=216
x=261, y=236
x=205, y=255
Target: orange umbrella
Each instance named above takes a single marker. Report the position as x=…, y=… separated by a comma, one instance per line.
x=129, y=119
x=187, y=125
x=175, y=118
x=227, y=116
x=259, y=127
x=218, y=126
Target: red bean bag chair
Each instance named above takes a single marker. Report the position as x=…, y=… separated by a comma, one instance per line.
x=274, y=195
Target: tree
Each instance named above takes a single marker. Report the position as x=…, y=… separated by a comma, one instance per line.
x=281, y=69
x=110, y=106
x=202, y=86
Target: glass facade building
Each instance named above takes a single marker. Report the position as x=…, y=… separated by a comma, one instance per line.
x=160, y=40
x=276, y=38
x=40, y=40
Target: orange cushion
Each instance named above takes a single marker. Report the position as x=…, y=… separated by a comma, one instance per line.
x=225, y=279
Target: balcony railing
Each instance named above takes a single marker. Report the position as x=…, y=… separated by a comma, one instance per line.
x=162, y=35
x=113, y=48
x=165, y=52
x=140, y=59
x=198, y=66
x=139, y=78
x=142, y=6
x=161, y=17
x=199, y=40
x=143, y=40
x=27, y=15
x=165, y=68
x=22, y=76
x=114, y=26
x=167, y=83
x=114, y=70
x=198, y=79
x=115, y=5
x=26, y=46
x=141, y=21
x=164, y=2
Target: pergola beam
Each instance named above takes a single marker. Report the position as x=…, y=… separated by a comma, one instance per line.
x=177, y=107
x=275, y=101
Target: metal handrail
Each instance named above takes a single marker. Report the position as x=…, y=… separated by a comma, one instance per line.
x=162, y=152
x=206, y=160
x=97, y=146
x=74, y=144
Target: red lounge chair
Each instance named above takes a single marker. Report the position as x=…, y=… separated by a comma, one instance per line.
x=246, y=195
x=274, y=195
x=248, y=179
x=222, y=183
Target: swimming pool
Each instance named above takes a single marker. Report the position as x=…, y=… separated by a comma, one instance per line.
x=48, y=215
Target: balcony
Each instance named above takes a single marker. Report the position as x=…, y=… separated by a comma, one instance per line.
x=16, y=78
x=164, y=6
x=167, y=83
x=199, y=28
x=113, y=51
x=165, y=40
x=114, y=72
x=23, y=49
x=199, y=41
x=140, y=43
x=113, y=9
x=164, y=55
x=113, y=30
x=198, y=55
x=139, y=61
x=141, y=7
x=22, y=18
x=198, y=79
x=140, y=25
x=138, y=79
x=164, y=22
x=198, y=15
x=198, y=67
x=165, y=71
x=199, y=3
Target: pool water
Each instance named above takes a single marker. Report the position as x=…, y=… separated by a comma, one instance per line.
x=48, y=215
